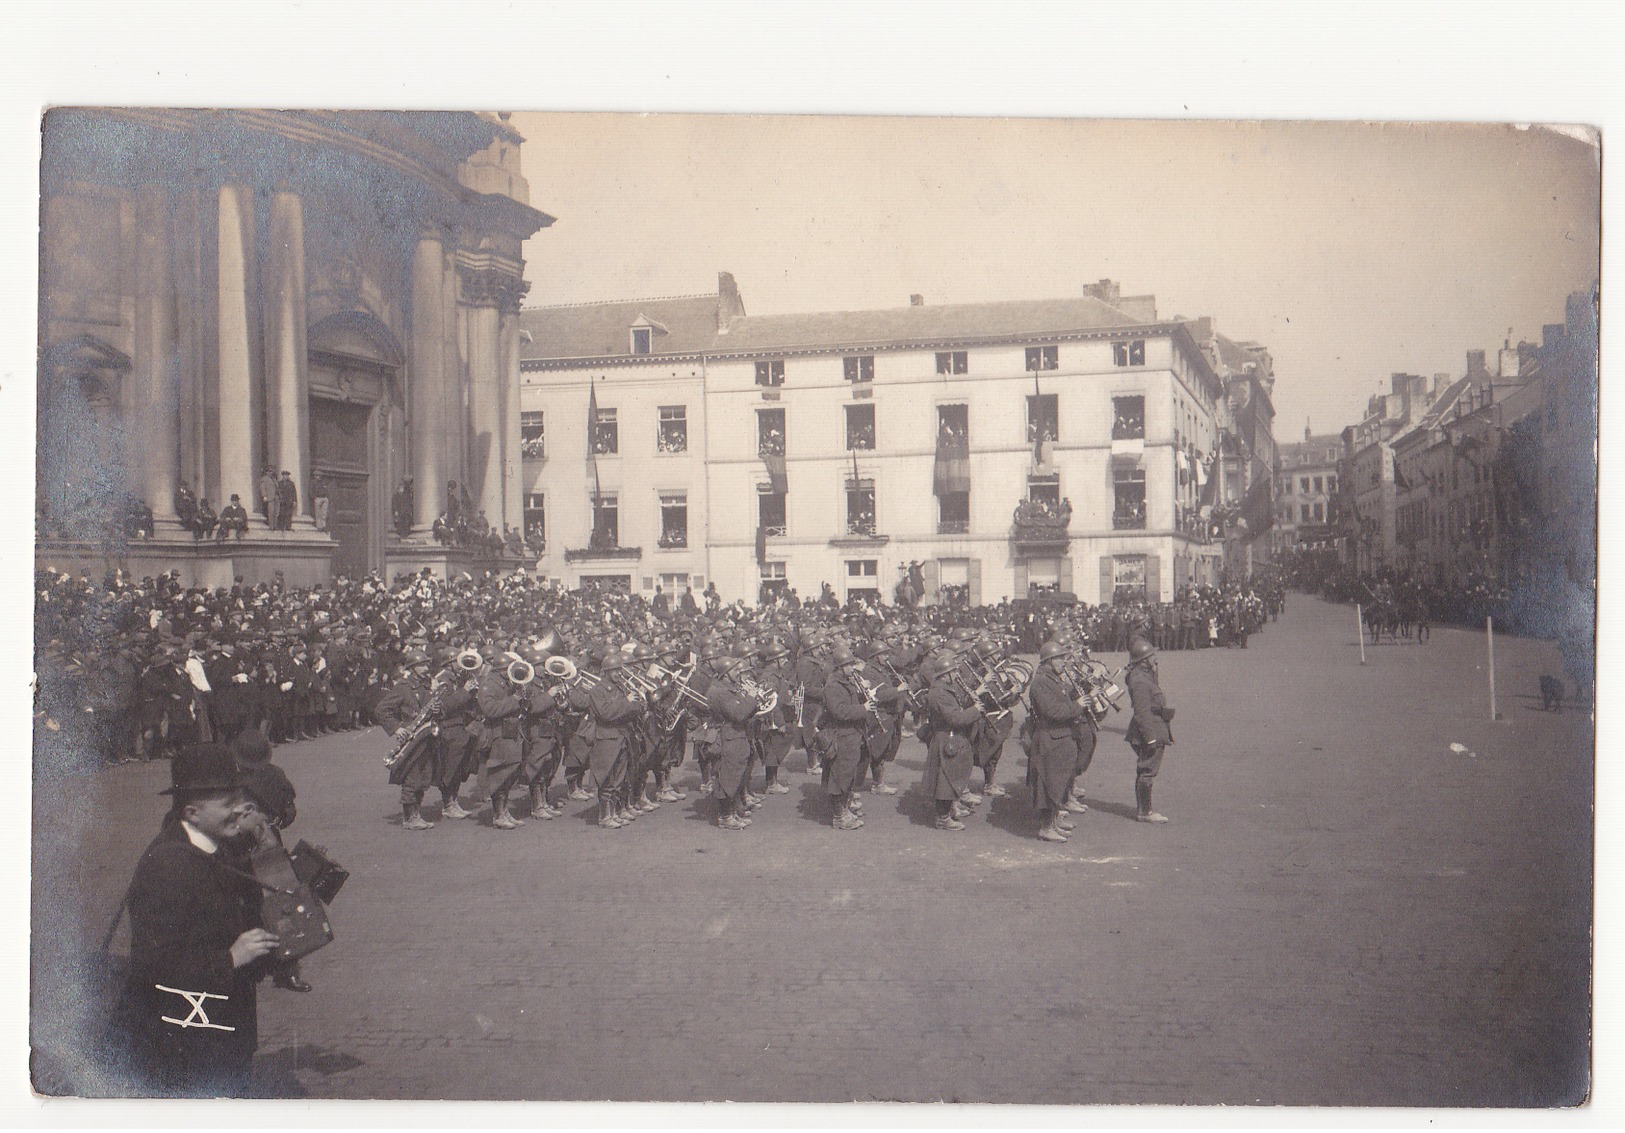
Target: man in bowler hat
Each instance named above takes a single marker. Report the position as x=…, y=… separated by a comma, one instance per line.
x=197, y=947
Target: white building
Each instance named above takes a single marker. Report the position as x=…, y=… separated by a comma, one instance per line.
x=842, y=447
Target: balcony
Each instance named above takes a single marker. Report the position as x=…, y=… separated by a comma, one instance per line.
x=953, y=527
x=860, y=532
x=673, y=541
x=1040, y=528
x=602, y=551
x=533, y=450
x=1128, y=521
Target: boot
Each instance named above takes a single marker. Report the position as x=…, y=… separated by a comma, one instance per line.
x=500, y=818
x=1142, y=796
x=538, y=804
x=845, y=819
x=449, y=806
x=991, y=789
x=945, y=817
x=1048, y=831
x=606, y=814
x=412, y=820
x=881, y=787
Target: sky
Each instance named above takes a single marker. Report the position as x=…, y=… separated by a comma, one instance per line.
x=1351, y=251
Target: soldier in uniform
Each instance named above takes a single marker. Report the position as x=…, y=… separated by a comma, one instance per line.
x=670, y=741
x=612, y=709
x=731, y=710
x=460, y=733
x=883, y=725
x=1053, y=755
x=1148, y=733
x=811, y=673
x=498, y=702
x=951, y=715
x=843, y=723
x=395, y=710
x=775, y=726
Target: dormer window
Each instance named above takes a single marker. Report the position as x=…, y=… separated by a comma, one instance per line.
x=642, y=340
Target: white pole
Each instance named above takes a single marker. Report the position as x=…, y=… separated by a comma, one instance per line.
x=1489, y=636
x=1359, y=630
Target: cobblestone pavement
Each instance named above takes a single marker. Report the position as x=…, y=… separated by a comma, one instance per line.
x=1343, y=911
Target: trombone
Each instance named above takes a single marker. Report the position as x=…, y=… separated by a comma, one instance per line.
x=564, y=672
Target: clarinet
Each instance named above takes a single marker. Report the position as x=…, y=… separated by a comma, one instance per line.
x=420, y=724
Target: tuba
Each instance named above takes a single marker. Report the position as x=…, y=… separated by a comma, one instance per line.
x=469, y=661
x=521, y=672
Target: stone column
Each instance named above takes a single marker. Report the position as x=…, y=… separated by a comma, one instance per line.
x=287, y=372
x=486, y=367
x=234, y=379
x=153, y=400
x=426, y=383
x=513, y=466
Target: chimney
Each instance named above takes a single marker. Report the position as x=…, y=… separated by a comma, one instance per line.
x=1508, y=367
x=729, y=305
x=916, y=300
x=1106, y=291
x=1475, y=362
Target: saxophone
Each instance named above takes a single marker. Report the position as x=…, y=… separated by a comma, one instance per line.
x=421, y=723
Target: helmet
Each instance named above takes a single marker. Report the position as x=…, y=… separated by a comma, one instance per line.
x=1139, y=649
x=743, y=649
x=772, y=650
x=415, y=658
x=936, y=666
x=1052, y=649
x=962, y=633
x=490, y=653
x=841, y=656
x=643, y=653
x=613, y=659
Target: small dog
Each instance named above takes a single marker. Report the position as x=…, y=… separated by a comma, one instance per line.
x=1551, y=694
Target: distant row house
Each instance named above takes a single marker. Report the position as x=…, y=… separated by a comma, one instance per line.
x=1005, y=448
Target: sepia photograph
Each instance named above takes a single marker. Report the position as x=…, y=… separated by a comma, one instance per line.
x=557, y=605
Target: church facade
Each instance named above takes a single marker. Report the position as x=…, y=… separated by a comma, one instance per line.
x=230, y=296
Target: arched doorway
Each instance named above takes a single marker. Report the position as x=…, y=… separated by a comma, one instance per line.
x=355, y=403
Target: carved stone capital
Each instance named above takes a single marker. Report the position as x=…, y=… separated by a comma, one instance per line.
x=490, y=287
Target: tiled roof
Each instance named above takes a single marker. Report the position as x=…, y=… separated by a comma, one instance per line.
x=901, y=326
x=1237, y=355
x=685, y=324
x=1441, y=404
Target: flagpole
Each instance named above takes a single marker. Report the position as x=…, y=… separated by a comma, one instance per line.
x=1489, y=638
x=1359, y=630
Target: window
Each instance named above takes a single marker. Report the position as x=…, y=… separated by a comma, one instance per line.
x=1043, y=357
x=770, y=373
x=952, y=362
x=773, y=579
x=533, y=434
x=606, y=522
x=1303, y=513
x=863, y=579
x=862, y=568
x=1129, y=353
x=1128, y=489
x=860, y=507
x=673, y=519
x=1303, y=485
x=1331, y=484
x=642, y=340
x=860, y=368
x=536, y=520
x=1045, y=490
x=606, y=434
x=860, y=426
x=674, y=583
x=770, y=432
x=953, y=513
x=1128, y=578
x=770, y=510
x=1319, y=485
x=1128, y=418
x=953, y=430
x=673, y=436
x=1043, y=418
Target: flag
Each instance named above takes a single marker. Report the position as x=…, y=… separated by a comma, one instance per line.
x=1210, y=484
x=761, y=544
x=777, y=478
x=1258, y=509
x=592, y=457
